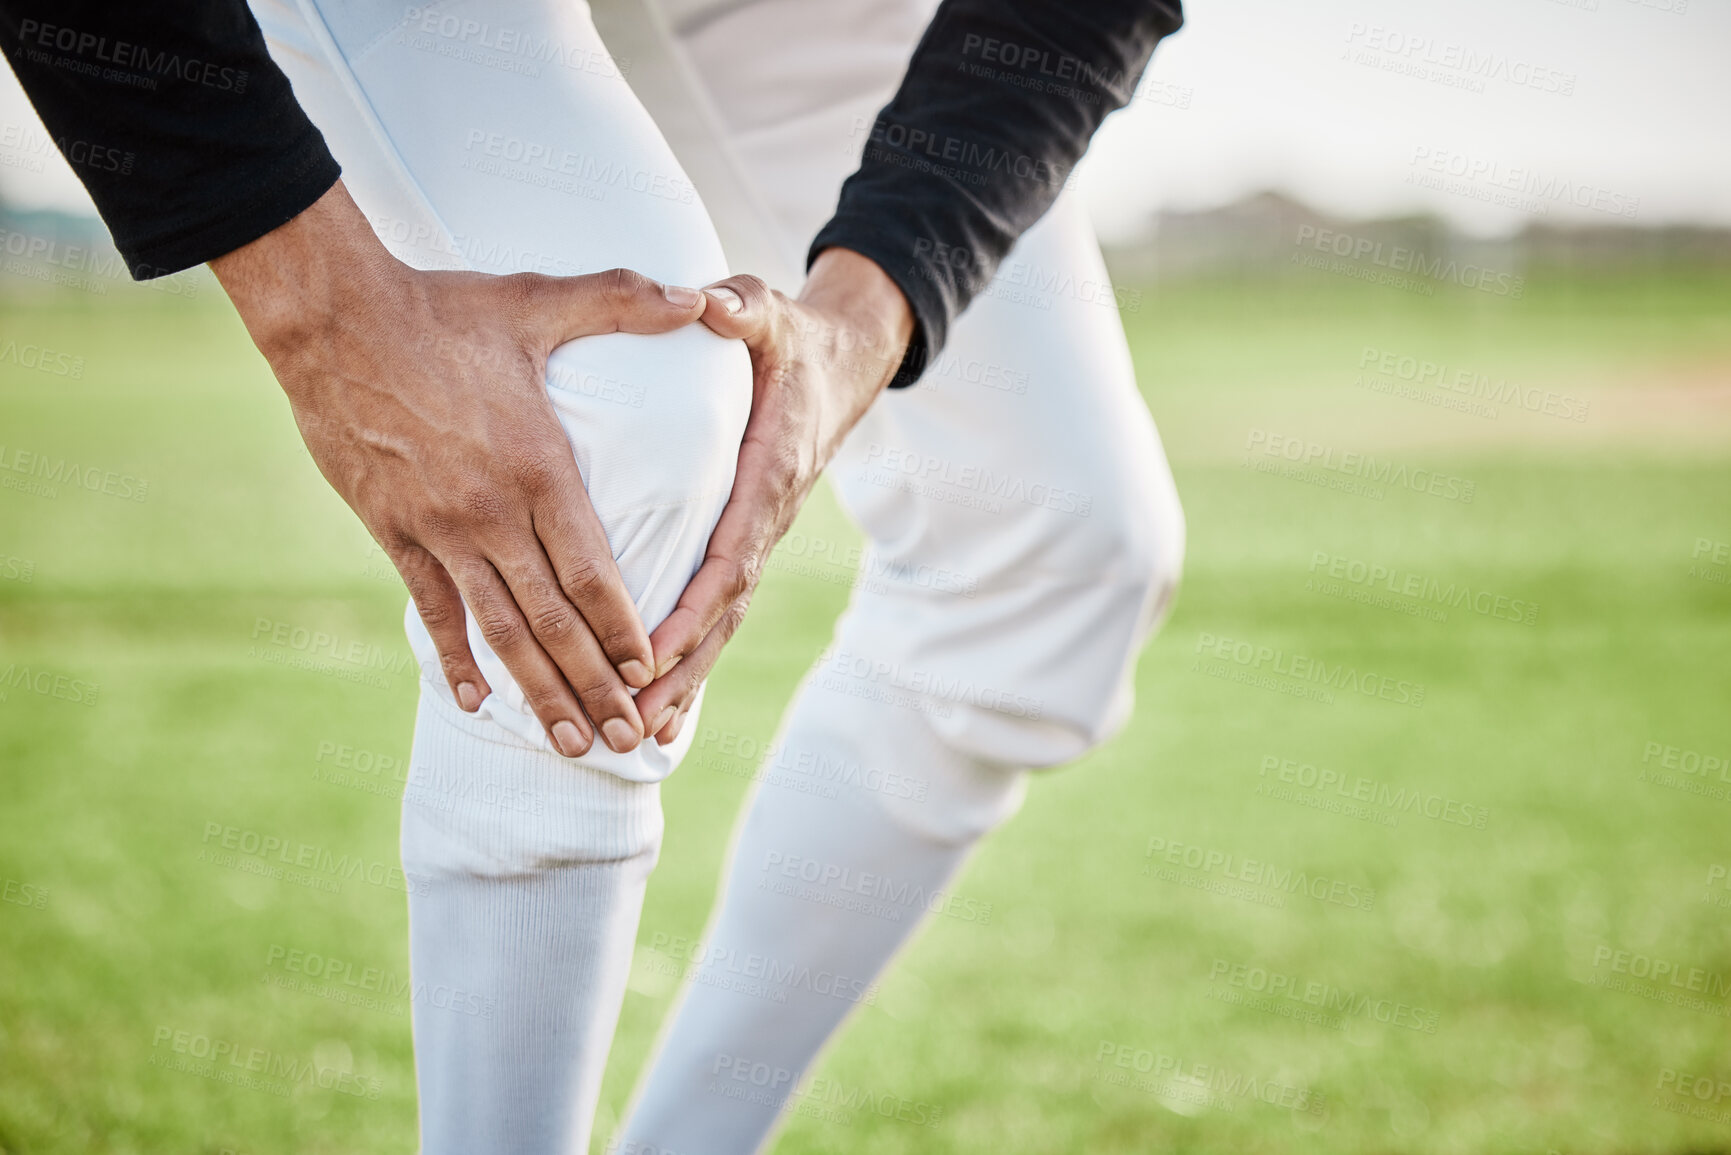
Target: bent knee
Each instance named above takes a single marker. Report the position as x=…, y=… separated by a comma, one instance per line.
x=655, y=423
x=653, y=419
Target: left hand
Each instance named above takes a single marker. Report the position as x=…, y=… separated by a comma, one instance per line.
x=818, y=363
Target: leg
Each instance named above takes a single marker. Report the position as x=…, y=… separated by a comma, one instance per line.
x=527, y=869
x=1025, y=538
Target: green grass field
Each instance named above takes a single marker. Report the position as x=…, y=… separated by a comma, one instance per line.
x=1545, y=964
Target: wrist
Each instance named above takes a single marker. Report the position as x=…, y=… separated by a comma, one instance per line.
x=299, y=280
x=855, y=291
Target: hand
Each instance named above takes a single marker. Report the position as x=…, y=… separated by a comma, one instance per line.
x=420, y=395
x=817, y=365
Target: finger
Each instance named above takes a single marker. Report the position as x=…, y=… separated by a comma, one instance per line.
x=618, y=301
x=741, y=307
x=503, y=626
x=576, y=545
x=441, y=609
x=564, y=636
x=678, y=689
x=674, y=727
x=748, y=527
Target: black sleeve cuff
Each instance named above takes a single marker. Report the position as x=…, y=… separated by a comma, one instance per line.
x=278, y=194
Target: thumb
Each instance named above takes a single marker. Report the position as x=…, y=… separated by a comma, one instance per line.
x=741, y=307
x=617, y=301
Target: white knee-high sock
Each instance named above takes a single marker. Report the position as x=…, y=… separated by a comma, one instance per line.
x=820, y=893
x=526, y=875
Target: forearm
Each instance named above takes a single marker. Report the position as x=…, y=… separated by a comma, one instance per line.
x=1000, y=101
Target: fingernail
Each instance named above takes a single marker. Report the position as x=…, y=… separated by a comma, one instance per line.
x=635, y=673
x=729, y=299
x=468, y=696
x=569, y=739
x=662, y=719
x=619, y=735
x=681, y=296
x=667, y=664
x=678, y=725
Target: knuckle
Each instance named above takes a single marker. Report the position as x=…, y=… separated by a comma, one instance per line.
x=620, y=286
x=582, y=578
x=554, y=621
x=438, y=614
x=475, y=502
x=596, y=688
x=501, y=631
x=537, y=472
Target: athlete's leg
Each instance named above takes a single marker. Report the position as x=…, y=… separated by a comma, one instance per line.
x=498, y=136
x=1024, y=537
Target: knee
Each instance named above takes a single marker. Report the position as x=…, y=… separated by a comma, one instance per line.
x=1132, y=535
x=654, y=420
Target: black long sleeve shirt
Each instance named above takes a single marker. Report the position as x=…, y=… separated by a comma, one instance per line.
x=999, y=102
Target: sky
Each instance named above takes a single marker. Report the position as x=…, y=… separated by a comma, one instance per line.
x=1491, y=113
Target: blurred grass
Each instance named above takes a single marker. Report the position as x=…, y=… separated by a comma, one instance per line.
x=998, y=1026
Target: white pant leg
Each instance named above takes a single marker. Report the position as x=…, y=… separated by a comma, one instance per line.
x=500, y=137
x=1024, y=536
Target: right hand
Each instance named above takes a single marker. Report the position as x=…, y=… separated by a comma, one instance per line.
x=420, y=395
